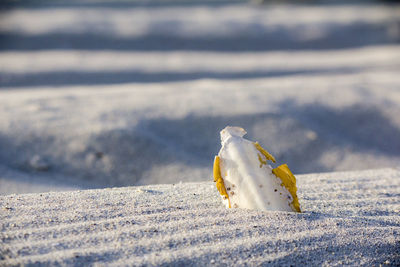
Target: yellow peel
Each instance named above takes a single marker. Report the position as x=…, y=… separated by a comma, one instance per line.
x=267, y=155
x=218, y=179
x=262, y=162
x=289, y=182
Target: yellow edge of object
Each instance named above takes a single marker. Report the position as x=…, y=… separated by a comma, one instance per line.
x=262, y=162
x=218, y=179
x=267, y=155
x=289, y=181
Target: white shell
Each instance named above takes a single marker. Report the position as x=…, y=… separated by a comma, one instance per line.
x=250, y=184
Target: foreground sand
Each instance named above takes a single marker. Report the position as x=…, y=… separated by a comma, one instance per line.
x=349, y=218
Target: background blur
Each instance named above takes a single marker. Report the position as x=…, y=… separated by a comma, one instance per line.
x=115, y=93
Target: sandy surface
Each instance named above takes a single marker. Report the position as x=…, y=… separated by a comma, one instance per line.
x=145, y=133
x=103, y=94
x=349, y=218
x=98, y=94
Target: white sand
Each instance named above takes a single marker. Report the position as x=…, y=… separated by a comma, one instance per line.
x=119, y=94
x=349, y=218
x=101, y=95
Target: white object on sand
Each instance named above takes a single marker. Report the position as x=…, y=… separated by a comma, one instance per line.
x=245, y=180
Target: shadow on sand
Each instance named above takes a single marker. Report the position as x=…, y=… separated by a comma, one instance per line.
x=65, y=78
x=122, y=157
x=336, y=36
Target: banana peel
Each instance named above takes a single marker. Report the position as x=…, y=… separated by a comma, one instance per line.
x=245, y=180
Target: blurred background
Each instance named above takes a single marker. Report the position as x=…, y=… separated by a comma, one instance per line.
x=100, y=94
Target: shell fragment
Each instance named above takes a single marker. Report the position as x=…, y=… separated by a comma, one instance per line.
x=245, y=180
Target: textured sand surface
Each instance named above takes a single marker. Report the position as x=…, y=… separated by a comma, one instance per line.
x=97, y=94
x=349, y=218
